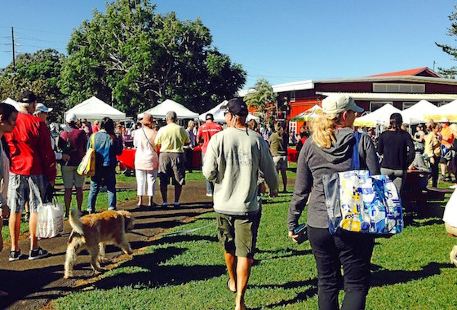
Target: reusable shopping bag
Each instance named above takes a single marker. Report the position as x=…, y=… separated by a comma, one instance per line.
x=50, y=220
x=87, y=165
x=359, y=202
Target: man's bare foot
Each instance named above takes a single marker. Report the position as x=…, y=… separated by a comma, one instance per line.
x=231, y=285
x=240, y=304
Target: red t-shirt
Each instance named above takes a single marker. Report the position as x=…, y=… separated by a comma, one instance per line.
x=30, y=148
x=206, y=131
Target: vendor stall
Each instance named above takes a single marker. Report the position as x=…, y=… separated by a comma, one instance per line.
x=417, y=113
x=218, y=114
x=447, y=112
x=379, y=117
x=95, y=109
x=161, y=110
x=308, y=115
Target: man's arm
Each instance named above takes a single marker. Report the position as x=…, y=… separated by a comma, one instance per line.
x=303, y=185
x=411, y=152
x=267, y=167
x=210, y=167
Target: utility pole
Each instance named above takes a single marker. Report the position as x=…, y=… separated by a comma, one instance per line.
x=14, y=50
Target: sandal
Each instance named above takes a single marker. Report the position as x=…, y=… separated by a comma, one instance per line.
x=228, y=286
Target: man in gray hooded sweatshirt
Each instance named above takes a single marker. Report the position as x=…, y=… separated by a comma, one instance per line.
x=233, y=160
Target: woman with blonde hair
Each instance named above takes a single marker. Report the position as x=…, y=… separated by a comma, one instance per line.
x=330, y=150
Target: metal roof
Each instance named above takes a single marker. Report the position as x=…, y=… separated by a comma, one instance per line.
x=395, y=96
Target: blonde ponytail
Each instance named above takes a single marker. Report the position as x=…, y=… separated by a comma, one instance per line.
x=323, y=129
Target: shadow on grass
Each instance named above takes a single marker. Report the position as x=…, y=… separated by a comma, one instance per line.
x=21, y=284
x=384, y=277
x=380, y=277
x=158, y=274
x=282, y=253
x=184, y=238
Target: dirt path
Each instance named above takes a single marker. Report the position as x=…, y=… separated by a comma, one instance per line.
x=32, y=284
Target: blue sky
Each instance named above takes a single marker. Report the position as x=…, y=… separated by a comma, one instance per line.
x=282, y=41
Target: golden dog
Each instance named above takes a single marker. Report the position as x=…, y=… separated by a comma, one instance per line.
x=93, y=232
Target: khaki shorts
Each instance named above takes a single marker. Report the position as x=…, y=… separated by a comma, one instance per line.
x=71, y=177
x=22, y=189
x=172, y=166
x=238, y=233
x=280, y=162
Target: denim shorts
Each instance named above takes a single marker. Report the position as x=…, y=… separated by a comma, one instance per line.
x=22, y=189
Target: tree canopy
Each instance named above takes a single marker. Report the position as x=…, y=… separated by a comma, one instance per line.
x=38, y=72
x=134, y=58
x=448, y=49
x=261, y=95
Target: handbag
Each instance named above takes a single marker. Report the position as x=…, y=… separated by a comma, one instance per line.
x=359, y=202
x=87, y=165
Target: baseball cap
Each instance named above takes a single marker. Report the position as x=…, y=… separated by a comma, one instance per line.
x=338, y=103
x=236, y=106
x=209, y=116
x=71, y=118
x=41, y=108
x=27, y=97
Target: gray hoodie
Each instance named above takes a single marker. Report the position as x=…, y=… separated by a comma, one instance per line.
x=314, y=162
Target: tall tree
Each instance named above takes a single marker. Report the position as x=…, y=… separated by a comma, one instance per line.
x=261, y=96
x=448, y=49
x=39, y=72
x=132, y=57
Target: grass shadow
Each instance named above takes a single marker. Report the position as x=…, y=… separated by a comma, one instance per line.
x=385, y=277
x=158, y=274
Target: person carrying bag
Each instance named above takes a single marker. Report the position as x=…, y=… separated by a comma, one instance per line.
x=329, y=150
x=359, y=202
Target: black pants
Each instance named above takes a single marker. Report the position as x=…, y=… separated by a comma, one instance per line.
x=353, y=252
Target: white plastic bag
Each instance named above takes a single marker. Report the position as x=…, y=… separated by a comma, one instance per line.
x=450, y=212
x=50, y=220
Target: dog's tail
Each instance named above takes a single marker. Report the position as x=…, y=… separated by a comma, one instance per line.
x=75, y=222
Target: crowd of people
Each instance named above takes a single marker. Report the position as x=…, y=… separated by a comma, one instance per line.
x=239, y=160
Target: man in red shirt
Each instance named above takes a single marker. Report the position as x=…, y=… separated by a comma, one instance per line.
x=32, y=173
x=205, y=132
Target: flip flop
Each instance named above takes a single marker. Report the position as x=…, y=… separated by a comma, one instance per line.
x=228, y=286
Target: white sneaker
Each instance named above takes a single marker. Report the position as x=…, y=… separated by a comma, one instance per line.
x=453, y=186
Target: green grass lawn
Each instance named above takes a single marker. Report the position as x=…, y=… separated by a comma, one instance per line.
x=185, y=270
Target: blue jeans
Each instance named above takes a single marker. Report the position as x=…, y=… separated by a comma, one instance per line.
x=103, y=176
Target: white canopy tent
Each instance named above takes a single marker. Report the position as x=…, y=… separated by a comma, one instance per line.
x=447, y=112
x=309, y=114
x=218, y=114
x=14, y=103
x=162, y=109
x=379, y=117
x=95, y=109
x=417, y=113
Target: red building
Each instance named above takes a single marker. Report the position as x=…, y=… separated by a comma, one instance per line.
x=401, y=89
